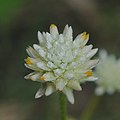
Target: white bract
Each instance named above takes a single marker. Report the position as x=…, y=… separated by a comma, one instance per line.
x=60, y=63
x=108, y=71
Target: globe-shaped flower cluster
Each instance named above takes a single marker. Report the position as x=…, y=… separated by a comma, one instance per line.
x=61, y=63
x=108, y=72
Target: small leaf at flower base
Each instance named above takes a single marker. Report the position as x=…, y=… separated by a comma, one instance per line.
x=69, y=93
x=49, y=90
x=40, y=92
x=74, y=85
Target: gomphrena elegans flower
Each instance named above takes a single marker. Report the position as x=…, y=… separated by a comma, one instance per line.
x=108, y=71
x=61, y=63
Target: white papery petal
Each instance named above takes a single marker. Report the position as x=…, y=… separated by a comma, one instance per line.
x=78, y=40
x=86, y=49
x=49, y=90
x=53, y=31
x=85, y=41
x=36, y=47
x=68, y=33
x=29, y=75
x=72, y=65
x=48, y=37
x=63, y=65
x=42, y=53
x=92, y=53
x=61, y=38
x=33, y=76
x=31, y=60
x=74, y=85
x=60, y=84
x=31, y=52
x=49, y=43
x=69, y=75
x=68, y=92
x=58, y=72
x=92, y=78
x=41, y=39
x=65, y=30
x=42, y=66
x=92, y=63
x=40, y=50
x=40, y=92
x=51, y=65
x=49, y=76
x=32, y=67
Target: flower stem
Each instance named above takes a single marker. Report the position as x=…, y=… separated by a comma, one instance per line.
x=90, y=108
x=63, y=106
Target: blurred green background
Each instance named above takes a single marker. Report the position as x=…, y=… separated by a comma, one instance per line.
x=19, y=22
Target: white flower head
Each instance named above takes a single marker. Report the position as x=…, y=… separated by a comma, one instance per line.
x=60, y=63
x=108, y=71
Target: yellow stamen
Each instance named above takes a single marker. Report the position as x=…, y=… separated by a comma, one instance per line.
x=42, y=78
x=28, y=61
x=88, y=73
x=85, y=35
x=52, y=26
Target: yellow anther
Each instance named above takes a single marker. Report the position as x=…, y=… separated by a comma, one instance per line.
x=85, y=35
x=42, y=78
x=88, y=73
x=28, y=61
x=52, y=25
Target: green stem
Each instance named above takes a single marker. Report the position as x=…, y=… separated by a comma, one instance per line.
x=90, y=108
x=63, y=106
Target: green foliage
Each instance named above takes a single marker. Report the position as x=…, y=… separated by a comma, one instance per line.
x=7, y=9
